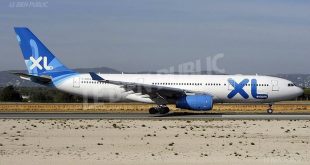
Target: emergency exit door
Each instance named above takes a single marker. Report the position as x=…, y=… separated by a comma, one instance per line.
x=275, y=85
x=76, y=82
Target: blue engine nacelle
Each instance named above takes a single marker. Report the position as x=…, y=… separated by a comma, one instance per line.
x=195, y=102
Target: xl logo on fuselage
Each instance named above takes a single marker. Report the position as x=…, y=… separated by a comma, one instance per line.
x=238, y=89
x=36, y=63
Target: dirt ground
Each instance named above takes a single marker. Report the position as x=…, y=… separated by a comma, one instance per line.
x=154, y=142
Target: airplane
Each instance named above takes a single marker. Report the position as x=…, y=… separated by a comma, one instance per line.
x=191, y=92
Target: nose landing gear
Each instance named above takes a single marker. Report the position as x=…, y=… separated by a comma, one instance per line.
x=161, y=109
x=270, y=110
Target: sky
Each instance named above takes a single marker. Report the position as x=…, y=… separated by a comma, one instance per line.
x=254, y=36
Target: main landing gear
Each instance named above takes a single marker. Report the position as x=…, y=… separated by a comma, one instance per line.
x=161, y=109
x=270, y=110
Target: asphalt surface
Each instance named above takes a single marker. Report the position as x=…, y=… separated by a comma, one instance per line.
x=169, y=116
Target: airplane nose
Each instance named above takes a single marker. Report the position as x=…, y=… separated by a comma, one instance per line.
x=299, y=91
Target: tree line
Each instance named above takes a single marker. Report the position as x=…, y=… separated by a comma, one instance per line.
x=50, y=95
x=36, y=95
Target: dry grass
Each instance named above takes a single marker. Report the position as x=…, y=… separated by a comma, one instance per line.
x=140, y=107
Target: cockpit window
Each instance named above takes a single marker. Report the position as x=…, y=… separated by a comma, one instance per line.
x=291, y=84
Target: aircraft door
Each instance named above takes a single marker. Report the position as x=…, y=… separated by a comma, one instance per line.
x=275, y=85
x=230, y=87
x=140, y=81
x=76, y=82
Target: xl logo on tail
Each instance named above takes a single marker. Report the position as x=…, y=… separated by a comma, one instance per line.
x=36, y=63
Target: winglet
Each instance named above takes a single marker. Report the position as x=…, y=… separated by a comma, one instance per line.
x=96, y=77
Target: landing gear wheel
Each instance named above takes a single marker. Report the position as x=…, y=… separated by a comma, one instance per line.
x=270, y=111
x=163, y=110
x=153, y=110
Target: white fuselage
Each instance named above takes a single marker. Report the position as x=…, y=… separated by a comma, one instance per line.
x=220, y=87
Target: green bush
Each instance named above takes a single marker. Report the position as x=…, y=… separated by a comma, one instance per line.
x=307, y=91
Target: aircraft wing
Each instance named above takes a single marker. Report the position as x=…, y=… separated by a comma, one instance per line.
x=160, y=94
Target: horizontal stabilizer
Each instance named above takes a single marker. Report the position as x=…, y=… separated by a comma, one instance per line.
x=44, y=80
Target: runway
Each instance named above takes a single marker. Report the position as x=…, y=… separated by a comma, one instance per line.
x=169, y=116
